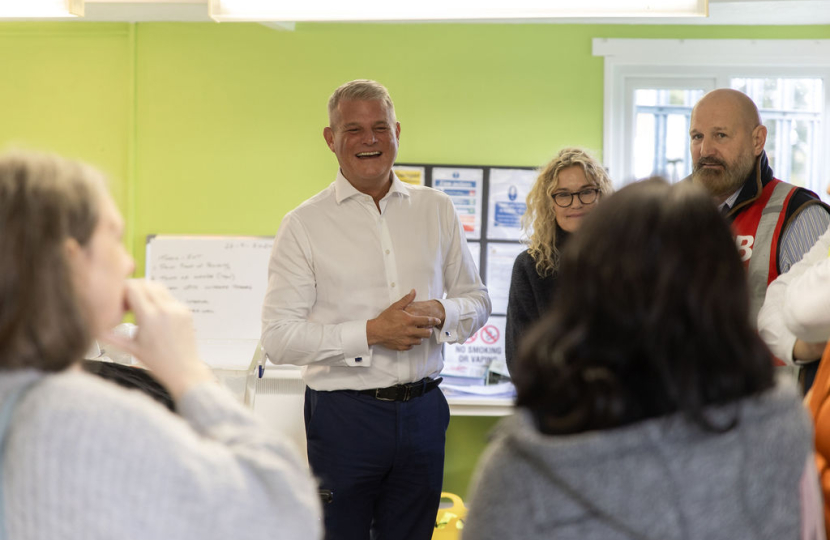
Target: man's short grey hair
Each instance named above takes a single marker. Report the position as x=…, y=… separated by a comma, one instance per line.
x=361, y=90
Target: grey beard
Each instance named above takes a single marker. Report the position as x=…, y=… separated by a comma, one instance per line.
x=725, y=182
x=718, y=183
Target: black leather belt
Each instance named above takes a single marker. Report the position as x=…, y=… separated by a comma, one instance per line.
x=403, y=392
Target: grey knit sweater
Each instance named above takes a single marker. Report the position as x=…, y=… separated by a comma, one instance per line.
x=87, y=460
x=661, y=479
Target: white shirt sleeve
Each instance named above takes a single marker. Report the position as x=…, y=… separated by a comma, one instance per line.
x=288, y=336
x=467, y=304
x=780, y=326
x=806, y=309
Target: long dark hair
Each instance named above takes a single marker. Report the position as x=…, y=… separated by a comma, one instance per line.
x=651, y=318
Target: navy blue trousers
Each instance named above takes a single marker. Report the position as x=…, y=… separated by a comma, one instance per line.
x=383, y=461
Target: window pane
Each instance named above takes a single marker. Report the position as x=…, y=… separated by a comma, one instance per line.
x=770, y=93
x=791, y=110
x=676, y=97
x=806, y=94
x=800, y=136
x=644, y=146
x=661, y=141
x=740, y=85
x=771, y=146
x=678, y=162
x=645, y=97
x=677, y=136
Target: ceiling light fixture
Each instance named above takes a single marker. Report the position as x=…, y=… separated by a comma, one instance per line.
x=51, y=9
x=447, y=10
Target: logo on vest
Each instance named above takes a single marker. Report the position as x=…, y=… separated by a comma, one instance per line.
x=744, y=244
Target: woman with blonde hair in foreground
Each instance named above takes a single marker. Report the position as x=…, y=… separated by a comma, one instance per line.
x=647, y=407
x=85, y=459
x=566, y=191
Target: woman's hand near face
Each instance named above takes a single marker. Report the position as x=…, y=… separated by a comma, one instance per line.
x=166, y=340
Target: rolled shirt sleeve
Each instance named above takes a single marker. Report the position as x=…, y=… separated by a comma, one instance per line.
x=777, y=330
x=288, y=334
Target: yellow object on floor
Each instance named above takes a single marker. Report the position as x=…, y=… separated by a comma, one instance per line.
x=450, y=520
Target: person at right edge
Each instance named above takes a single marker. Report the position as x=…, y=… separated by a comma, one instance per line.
x=774, y=223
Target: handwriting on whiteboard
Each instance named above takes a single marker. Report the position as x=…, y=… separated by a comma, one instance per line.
x=221, y=279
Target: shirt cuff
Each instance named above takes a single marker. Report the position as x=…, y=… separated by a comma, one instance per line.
x=787, y=346
x=355, y=344
x=449, y=330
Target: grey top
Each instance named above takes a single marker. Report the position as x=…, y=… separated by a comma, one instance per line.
x=661, y=479
x=88, y=460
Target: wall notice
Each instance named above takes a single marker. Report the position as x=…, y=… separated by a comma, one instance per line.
x=508, y=193
x=465, y=187
x=473, y=358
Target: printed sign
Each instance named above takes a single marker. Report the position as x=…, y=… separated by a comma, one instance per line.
x=473, y=358
x=508, y=193
x=500, y=259
x=464, y=186
x=410, y=175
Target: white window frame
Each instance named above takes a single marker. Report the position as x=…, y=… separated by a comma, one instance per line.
x=700, y=63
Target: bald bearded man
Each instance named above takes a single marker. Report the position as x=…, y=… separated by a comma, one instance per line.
x=775, y=223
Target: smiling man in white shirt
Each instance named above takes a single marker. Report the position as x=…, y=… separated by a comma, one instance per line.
x=368, y=279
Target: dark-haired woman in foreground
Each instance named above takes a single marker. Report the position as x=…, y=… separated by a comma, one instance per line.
x=83, y=458
x=648, y=408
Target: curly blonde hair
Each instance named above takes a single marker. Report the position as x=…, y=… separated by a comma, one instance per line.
x=540, y=216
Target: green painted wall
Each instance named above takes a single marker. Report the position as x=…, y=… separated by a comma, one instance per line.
x=230, y=117
x=66, y=88
x=217, y=129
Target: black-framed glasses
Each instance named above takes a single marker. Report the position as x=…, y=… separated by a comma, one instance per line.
x=564, y=199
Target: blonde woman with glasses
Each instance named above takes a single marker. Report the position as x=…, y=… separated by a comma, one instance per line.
x=567, y=190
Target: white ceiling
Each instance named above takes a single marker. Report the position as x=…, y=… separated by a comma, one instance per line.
x=741, y=12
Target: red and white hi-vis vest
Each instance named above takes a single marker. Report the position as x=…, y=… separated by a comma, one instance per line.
x=757, y=231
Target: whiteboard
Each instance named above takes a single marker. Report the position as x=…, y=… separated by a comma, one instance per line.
x=222, y=279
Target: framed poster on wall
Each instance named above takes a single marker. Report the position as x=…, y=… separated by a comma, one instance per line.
x=490, y=202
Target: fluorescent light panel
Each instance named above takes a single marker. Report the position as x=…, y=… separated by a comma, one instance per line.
x=436, y=10
x=19, y=9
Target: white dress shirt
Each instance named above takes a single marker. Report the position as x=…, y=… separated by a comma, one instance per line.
x=337, y=262
x=793, y=311
x=807, y=303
